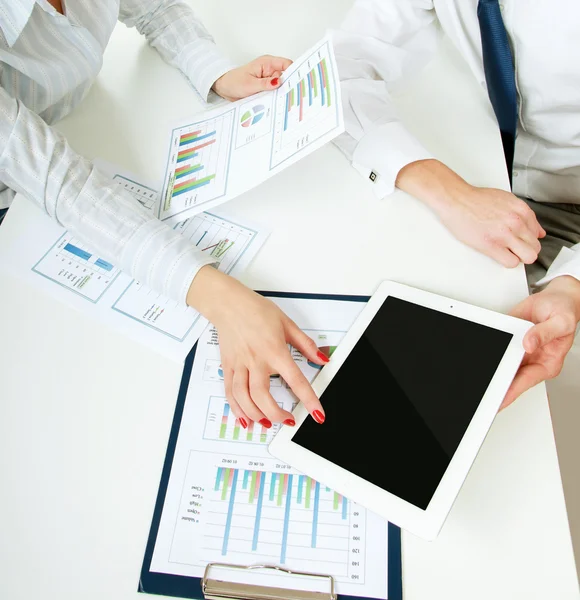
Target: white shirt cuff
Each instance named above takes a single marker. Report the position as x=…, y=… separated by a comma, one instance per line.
x=203, y=64
x=382, y=153
x=566, y=263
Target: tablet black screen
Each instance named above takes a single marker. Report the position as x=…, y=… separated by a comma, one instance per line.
x=399, y=405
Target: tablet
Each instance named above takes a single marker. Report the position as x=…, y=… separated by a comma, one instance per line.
x=409, y=395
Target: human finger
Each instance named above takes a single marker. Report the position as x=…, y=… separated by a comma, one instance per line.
x=527, y=377
x=260, y=394
x=301, y=388
x=543, y=333
x=503, y=256
x=304, y=343
x=242, y=396
x=235, y=407
x=526, y=253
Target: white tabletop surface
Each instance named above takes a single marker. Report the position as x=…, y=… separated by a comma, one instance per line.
x=85, y=413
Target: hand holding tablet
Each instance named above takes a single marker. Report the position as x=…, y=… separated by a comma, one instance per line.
x=409, y=396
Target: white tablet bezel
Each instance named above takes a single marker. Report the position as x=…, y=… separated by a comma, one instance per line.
x=424, y=523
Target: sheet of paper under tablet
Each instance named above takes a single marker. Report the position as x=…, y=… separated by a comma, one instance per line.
x=229, y=501
x=53, y=260
x=217, y=155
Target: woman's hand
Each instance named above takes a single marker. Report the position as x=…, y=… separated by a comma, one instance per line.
x=259, y=75
x=254, y=335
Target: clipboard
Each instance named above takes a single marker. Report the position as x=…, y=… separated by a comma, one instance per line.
x=209, y=586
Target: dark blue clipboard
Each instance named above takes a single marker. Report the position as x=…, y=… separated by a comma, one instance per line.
x=190, y=587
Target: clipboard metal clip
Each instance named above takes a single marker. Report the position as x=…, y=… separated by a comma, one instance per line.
x=217, y=589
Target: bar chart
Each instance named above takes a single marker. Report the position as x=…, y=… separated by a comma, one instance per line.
x=306, y=107
x=261, y=515
x=72, y=265
x=222, y=425
x=224, y=240
x=197, y=170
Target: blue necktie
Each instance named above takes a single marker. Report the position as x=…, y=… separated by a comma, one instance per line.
x=500, y=74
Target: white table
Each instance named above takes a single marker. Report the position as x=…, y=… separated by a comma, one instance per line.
x=85, y=413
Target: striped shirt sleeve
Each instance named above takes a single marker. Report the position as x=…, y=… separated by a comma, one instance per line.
x=172, y=28
x=37, y=161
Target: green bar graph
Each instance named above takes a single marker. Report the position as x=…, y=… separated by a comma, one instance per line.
x=226, y=483
x=308, y=488
x=315, y=82
x=326, y=81
x=280, y=488
x=336, y=498
x=253, y=486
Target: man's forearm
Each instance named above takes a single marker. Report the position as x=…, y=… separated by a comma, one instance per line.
x=432, y=182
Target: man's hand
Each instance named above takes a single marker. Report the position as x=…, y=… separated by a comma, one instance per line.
x=257, y=76
x=556, y=312
x=491, y=221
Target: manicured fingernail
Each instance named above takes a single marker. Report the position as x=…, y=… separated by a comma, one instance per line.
x=265, y=423
x=318, y=416
x=322, y=357
x=244, y=423
x=290, y=422
x=274, y=81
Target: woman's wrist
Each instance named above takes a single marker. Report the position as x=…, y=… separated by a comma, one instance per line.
x=207, y=291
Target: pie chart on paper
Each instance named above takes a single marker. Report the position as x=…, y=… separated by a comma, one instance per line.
x=253, y=116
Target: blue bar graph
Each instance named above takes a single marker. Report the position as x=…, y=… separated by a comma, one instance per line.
x=315, y=515
x=300, y=486
x=77, y=252
x=230, y=513
x=273, y=508
x=218, y=478
x=287, y=111
x=286, y=520
x=259, y=511
x=322, y=90
x=103, y=264
x=200, y=184
x=189, y=140
x=188, y=171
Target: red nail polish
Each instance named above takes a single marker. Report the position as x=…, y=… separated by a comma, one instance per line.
x=244, y=423
x=274, y=81
x=290, y=422
x=265, y=423
x=318, y=416
x=322, y=356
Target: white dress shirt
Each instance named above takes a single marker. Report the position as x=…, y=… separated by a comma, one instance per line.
x=383, y=41
x=48, y=62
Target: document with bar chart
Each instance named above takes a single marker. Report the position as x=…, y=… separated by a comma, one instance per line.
x=225, y=499
x=222, y=153
x=230, y=244
x=53, y=260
